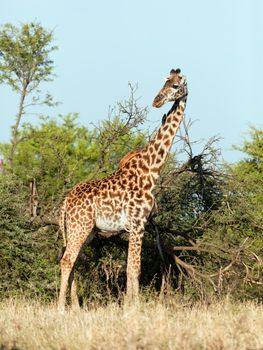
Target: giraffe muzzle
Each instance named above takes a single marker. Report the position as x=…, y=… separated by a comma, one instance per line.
x=158, y=101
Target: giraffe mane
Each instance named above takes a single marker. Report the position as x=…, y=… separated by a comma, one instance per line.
x=128, y=157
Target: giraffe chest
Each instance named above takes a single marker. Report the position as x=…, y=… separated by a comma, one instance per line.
x=123, y=204
x=112, y=221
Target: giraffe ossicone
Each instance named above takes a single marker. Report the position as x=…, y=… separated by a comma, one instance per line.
x=123, y=200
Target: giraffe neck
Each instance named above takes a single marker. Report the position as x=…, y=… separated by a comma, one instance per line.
x=160, y=145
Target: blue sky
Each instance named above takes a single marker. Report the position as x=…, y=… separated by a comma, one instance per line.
x=105, y=44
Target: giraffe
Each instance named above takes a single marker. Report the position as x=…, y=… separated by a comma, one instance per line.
x=123, y=201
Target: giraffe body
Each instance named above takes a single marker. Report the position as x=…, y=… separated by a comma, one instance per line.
x=109, y=202
x=122, y=201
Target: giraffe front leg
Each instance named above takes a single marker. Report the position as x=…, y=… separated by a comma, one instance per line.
x=134, y=262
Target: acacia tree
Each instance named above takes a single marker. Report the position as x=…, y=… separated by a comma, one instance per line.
x=211, y=222
x=24, y=64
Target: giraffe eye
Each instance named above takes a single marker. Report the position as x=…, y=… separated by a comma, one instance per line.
x=175, y=86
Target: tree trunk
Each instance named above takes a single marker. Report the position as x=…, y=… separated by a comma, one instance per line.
x=33, y=199
x=17, y=124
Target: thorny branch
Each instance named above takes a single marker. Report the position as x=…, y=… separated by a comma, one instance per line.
x=189, y=270
x=129, y=117
x=204, y=164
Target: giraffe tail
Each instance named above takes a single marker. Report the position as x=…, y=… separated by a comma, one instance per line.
x=63, y=225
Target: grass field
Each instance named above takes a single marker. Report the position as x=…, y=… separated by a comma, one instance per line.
x=145, y=325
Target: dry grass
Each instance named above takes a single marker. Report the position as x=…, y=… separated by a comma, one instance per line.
x=145, y=325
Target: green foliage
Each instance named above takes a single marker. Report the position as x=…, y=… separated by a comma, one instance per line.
x=59, y=154
x=28, y=259
x=25, y=63
x=239, y=221
x=25, y=55
x=250, y=173
x=55, y=153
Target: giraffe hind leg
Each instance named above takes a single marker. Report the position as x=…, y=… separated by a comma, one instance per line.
x=72, y=280
x=73, y=290
x=73, y=248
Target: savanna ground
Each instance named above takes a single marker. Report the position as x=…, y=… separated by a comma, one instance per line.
x=152, y=324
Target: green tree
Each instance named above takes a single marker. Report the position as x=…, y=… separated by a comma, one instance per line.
x=28, y=258
x=24, y=64
x=230, y=248
x=249, y=171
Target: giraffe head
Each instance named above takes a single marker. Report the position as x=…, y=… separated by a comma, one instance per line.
x=174, y=89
